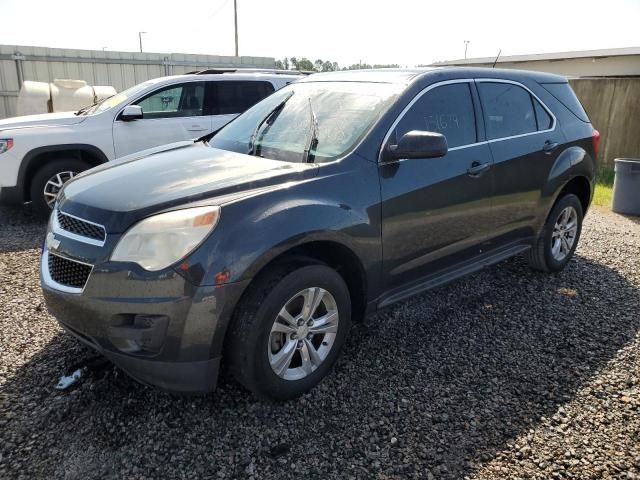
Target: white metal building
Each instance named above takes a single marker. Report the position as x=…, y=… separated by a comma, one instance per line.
x=613, y=62
x=118, y=69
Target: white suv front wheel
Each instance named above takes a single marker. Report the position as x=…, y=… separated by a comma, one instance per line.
x=49, y=180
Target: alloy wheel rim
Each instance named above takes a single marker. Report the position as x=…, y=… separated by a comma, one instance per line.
x=303, y=333
x=564, y=233
x=54, y=184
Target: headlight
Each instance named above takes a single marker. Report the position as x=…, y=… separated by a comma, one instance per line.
x=162, y=240
x=5, y=144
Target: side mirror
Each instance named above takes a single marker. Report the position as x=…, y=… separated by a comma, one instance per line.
x=131, y=112
x=418, y=144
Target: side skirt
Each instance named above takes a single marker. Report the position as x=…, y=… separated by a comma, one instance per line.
x=452, y=273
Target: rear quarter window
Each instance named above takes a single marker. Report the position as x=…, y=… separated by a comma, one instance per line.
x=565, y=95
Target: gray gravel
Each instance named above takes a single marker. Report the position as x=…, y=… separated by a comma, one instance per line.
x=507, y=373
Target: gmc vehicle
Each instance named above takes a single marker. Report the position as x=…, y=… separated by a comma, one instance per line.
x=39, y=153
x=333, y=197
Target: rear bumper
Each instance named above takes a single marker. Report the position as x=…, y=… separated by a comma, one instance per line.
x=162, y=331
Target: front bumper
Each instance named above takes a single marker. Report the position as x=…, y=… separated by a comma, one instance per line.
x=11, y=196
x=160, y=329
x=11, y=192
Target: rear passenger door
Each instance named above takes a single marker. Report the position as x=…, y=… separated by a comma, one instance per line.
x=228, y=99
x=524, y=142
x=436, y=211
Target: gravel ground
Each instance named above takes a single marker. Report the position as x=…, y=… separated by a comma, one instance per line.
x=504, y=374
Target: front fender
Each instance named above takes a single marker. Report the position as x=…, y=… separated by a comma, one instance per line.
x=335, y=206
x=300, y=223
x=34, y=159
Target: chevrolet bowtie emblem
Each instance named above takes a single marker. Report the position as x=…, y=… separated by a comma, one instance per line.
x=52, y=243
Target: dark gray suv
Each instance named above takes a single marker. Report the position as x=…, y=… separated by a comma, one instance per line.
x=333, y=197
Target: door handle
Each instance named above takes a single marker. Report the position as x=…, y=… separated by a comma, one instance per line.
x=196, y=128
x=476, y=169
x=549, y=147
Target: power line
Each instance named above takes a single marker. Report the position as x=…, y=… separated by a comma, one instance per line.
x=224, y=4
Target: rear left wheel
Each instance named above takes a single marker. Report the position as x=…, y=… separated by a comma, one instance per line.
x=289, y=331
x=559, y=237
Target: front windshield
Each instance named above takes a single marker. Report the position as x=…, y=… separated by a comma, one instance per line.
x=283, y=126
x=117, y=99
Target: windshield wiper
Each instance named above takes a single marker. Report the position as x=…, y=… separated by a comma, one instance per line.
x=269, y=116
x=84, y=109
x=307, y=156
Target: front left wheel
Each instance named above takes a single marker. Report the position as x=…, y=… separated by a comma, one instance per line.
x=49, y=180
x=289, y=331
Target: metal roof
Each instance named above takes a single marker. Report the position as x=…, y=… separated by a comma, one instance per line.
x=609, y=52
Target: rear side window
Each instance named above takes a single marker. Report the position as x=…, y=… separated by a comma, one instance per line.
x=238, y=96
x=564, y=94
x=542, y=116
x=508, y=110
x=447, y=110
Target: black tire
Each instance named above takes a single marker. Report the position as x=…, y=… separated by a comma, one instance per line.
x=540, y=257
x=42, y=176
x=248, y=342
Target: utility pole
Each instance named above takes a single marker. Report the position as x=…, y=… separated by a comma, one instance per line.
x=466, y=44
x=140, y=39
x=235, y=20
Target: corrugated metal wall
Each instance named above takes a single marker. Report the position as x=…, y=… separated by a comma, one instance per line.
x=118, y=69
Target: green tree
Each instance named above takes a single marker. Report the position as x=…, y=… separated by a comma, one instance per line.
x=303, y=64
x=364, y=66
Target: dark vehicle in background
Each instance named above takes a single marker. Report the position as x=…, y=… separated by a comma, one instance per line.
x=335, y=196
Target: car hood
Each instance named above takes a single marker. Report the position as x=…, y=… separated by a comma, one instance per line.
x=43, y=120
x=118, y=194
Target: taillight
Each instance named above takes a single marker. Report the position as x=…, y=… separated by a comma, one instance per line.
x=595, y=136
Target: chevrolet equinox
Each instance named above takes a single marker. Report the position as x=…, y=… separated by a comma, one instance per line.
x=333, y=197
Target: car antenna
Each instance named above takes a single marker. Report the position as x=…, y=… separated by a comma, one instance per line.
x=496, y=60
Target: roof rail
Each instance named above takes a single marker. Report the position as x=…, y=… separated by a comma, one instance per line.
x=210, y=71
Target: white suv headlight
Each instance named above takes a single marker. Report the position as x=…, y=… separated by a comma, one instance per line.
x=162, y=240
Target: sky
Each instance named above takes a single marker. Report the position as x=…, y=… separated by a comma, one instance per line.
x=346, y=31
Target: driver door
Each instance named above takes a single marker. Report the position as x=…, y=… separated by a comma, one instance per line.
x=436, y=211
x=170, y=114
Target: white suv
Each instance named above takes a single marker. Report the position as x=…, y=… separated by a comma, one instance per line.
x=38, y=153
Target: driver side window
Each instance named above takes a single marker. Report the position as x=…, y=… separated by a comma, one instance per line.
x=448, y=110
x=183, y=100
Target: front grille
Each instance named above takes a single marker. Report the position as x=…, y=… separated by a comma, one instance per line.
x=67, y=272
x=81, y=227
